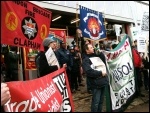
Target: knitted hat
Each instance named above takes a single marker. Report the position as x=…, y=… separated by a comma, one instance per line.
x=47, y=41
x=62, y=42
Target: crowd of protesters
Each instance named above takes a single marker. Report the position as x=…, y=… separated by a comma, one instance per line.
x=78, y=66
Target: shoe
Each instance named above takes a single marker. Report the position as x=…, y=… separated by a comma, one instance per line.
x=81, y=85
x=73, y=91
x=89, y=91
x=146, y=88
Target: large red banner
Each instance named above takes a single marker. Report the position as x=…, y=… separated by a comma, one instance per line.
x=58, y=33
x=24, y=24
x=50, y=93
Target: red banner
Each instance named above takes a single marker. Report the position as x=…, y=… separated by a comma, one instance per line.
x=24, y=24
x=58, y=33
x=50, y=93
x=29, y=58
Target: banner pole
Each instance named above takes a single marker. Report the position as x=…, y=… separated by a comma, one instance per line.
x=18, y=61
x=67, y=35
x=77, y=22
x=104, y=22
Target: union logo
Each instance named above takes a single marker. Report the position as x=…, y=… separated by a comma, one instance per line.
x=93, y=27
x=29, y=28
x=43, y=31
x=11, y=21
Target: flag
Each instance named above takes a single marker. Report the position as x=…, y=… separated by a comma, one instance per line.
x=122, y=85
x=57, y=34
x=92, y=24
x=24, y=24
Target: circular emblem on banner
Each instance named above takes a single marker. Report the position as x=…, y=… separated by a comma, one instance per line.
x=29, y=28
x=43, y=31
x=11, y=21
x=94, y=27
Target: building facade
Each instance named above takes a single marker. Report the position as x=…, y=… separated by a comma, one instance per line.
x=125, y=13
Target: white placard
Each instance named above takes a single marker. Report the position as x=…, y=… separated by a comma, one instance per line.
x=145, y=22
x=141, y=43
x=51, y=58
x=134, y=33
x=117, y=29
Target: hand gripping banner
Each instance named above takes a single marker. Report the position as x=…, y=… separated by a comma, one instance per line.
x=50, y=93
x=121, y=75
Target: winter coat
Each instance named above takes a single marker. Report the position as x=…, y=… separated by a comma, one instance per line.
x=64, y=57
x=95, y=77
x=44, y=67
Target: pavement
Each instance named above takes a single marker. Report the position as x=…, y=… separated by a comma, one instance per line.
x=82, y=100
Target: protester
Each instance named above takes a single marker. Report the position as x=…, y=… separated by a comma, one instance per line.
x=5, y=94
x=12, y=63
x=43, y=65
x=64, y=59
x=80, y=76
x=75, y=71
x=87, y=80
x=145, y=71
x=108, y=47
x=137, y=61
x=97, y=76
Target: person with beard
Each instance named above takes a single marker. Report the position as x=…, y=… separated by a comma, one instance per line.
x=75, y=71
x=95, y=68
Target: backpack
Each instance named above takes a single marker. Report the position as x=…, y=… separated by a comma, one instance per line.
x=136, y=58
x=37, y=63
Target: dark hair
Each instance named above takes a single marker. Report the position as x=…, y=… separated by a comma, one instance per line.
x=13, y=48
x=86, y=46
x=46, y=48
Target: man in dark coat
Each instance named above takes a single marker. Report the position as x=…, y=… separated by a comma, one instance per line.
x=64, y=59
x=95, y=68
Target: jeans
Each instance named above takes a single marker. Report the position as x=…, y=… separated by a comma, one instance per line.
x=88, y=84
x=97, y=99
x=146, y=79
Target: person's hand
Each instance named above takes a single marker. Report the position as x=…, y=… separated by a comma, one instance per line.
x=65, y=65
x=5, y=94
x=58, y=67
x=142, y=65
x=104, y=73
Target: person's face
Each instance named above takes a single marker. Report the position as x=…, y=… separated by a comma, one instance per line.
x=90, y=49
x=76, y=48
x=64, y=45
x=53, y=45
x=72, y=50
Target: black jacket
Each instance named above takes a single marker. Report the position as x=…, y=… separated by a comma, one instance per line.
x=95, y=77
x=76, y=62
x=44, y=67
x=64, y=56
